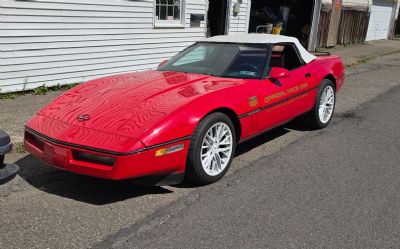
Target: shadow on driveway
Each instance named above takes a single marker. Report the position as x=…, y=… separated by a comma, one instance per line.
x=79, y=187
x=101, y=192
x=266, y=137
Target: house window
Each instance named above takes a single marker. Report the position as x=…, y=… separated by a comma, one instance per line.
x=168, y=13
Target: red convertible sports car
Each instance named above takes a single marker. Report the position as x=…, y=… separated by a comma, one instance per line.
x=186, y=117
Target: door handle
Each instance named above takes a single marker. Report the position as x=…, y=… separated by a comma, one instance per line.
x=308, y=75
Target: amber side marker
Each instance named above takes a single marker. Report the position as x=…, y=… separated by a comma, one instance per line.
x=169, y=150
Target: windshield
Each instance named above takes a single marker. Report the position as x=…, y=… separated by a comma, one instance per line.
x=221, y=59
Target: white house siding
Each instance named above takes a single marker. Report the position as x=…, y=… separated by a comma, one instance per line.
x=64, y=41
x=239, y=24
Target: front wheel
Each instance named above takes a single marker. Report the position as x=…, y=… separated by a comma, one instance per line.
x=212, y=149
x=321, y=115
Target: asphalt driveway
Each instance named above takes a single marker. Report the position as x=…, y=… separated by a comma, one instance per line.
x=47, y=208
x=337, y=188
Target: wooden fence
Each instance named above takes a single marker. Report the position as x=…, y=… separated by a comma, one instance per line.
x=352, y=27
x=323, y=28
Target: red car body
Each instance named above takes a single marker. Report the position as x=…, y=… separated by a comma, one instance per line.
x=127, y=119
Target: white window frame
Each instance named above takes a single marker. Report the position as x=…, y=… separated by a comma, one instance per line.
x=169, y=23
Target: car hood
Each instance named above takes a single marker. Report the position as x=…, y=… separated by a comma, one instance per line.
x=127, y=104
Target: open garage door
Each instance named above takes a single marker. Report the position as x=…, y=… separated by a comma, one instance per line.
x=379, y=21
x=287, y=17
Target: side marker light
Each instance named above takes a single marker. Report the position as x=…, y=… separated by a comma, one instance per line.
x=169, y=150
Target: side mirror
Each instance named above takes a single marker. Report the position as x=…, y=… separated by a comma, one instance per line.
x=279, y=73
x=162, y=63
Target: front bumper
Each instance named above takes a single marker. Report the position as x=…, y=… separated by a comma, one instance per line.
x=125, y=166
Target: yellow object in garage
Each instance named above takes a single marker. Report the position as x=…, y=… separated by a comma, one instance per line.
x=277, y=29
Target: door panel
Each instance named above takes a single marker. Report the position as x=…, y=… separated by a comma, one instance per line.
x=379, y=22
x=286, y=98
x=281, y=100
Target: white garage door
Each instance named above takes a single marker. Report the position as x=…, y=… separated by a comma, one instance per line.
x=379, y=22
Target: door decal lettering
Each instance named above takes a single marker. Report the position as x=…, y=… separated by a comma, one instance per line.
x=277, y=95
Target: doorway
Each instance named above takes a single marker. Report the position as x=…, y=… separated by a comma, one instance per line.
x=379, y=20
x=290, y=17
x=217, y=17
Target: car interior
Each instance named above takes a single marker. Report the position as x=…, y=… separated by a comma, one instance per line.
x=285, y=56
x=249, y=63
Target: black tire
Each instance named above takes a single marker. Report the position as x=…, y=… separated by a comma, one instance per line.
x=194, y=168
x=313, y=118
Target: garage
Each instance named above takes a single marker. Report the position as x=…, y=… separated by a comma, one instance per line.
x=288, y=17
x=380, y=18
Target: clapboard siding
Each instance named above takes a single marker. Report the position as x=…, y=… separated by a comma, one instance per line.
x=75, y=58
x=60, y=42
x=76, y=19
x=69, y=13
x=82, y=44
x=93, y=37
x=238, y=24
x=153, y=48
x=89, y=32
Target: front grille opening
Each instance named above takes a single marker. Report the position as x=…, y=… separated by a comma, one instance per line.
x=93, y=158
x=32, y=139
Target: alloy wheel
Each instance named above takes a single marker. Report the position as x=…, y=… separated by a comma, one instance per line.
x=327, y=104
x=216, y=149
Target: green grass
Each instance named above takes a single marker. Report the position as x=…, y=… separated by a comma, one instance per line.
x=8, y=96
x=19, y=148
x=64, y=87
x=41, y=90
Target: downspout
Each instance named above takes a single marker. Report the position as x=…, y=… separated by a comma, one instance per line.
x=248, y=15
x=312, y=42
x=206, y=34
x=228, y=16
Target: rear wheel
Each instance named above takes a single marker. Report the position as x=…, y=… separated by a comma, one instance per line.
x=212, y=149
x=321, y=115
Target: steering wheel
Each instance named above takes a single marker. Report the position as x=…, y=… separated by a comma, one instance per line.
x=246, y=66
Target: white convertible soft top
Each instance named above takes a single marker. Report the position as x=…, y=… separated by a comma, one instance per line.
x=263, y=39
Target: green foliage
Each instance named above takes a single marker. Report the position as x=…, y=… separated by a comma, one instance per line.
x=41, y=90
x=8, y=96
x=67, y=87
x=57, y=88
x=19, y=148
x=62, y=87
